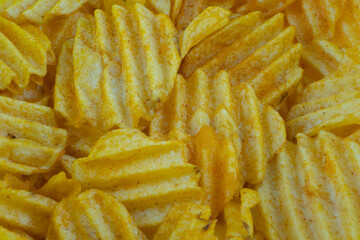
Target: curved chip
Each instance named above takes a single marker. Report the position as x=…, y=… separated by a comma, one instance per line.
x=255, y=131
x=268, y=7
x=146, y=175
x=331, y=104
x=337, y=21
x=25, y=53
x=252, y=50
x=311, y=191
x=187, y=221
x=128, y=68
x=92, y=215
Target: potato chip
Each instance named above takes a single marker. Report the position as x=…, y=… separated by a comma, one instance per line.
x=186, y=221
x=92, y=215
x=24, y=55
x=268, y=7
x=241, y=46
x=255, y=131
x=208, y=22
x=25, y=211
x=108, y=4
x=237, y=215
x=59, y=187
x=122, y=78
x=168, y=7
x=311, y=191
x=148, y=176
x=31, y=93
x=219, y=168
x=330, y=104
x=38, y=11
x=13, y=234
x=337, y=21
x=30, y=140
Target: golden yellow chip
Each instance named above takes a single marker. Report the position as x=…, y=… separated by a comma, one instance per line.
x=25, y=52
x=209, y=21
x=92, y=215
x=25, y=211
x=30, y=140
x=311, y=191
x=187, y=221
x=218, y=163
x=237, y=215
x=125, y=76
x=330, y=104
x=59, y=187
x=259, y=52
x=254, y=131
x=268, y=7
x=337, y=21
x=148, y=176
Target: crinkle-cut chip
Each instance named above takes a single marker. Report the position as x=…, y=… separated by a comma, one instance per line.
x=238, y=218
x=59, y=187
x=32, y=93
x=38, y=11
x=26, y=211
x=30, y=140
x=251, y=50
x=108, y=4
x=187, y=221
x=117, y=72
x=337, y=21
x=311, y=191
x=13, y=234
x=92, y=215
x=22, y=156
x=331, y=104
x=254, y=130
x=25, y=52
x=141, y=172
x=261, y=130
x=168, y=7
x=268, y=7
x=208, y=22
x=219, y=168
x=81, y=140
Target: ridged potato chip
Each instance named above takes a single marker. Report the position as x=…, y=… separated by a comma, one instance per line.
x=337, y=21
x=25, y=52
x=30, y=140
x=24, y=211
x=238, y=218
x=40, y=11
x=311, y=191
x=187, y=221
x=122, y=78
x=255, y=131
x=330, y=104
x=92, y=215
x=240, y=48
x=148, y=176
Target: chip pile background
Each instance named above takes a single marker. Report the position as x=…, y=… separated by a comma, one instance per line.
x=179, y=119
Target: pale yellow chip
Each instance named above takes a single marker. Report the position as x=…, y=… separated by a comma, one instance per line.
x=59, y=187
x=209, y=21
x=125, y=76
x=92, y=215
x=218, y=163
x=108, y=4
x=187, y=221
x=238, y=218
x=330, y=104
x=38, y=11
x=252, y=50
x=24, y=55
x=146, y=175
x=337, y=21
x=25, y=211
x=311, y=190
x=255, y=131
